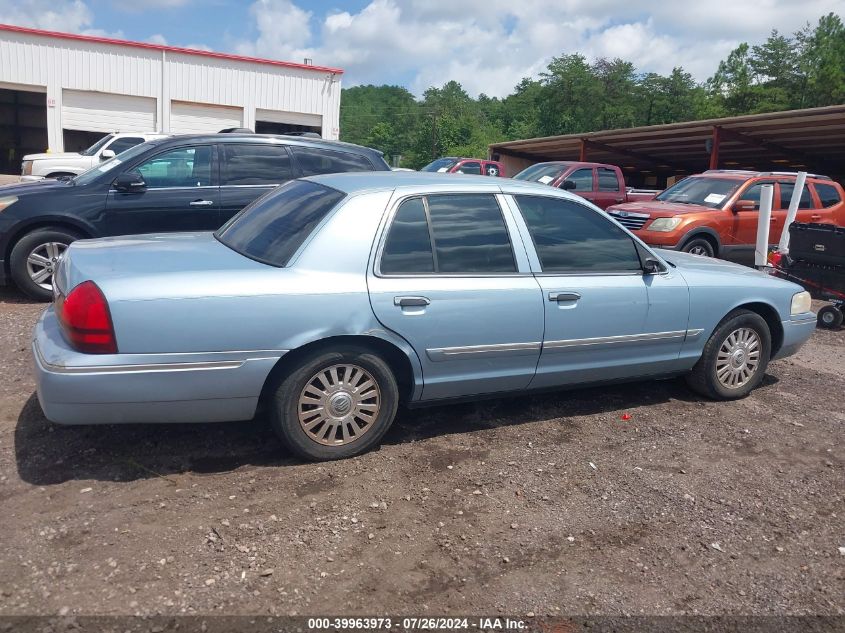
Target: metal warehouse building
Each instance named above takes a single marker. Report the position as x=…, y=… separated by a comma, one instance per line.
x=64, y=91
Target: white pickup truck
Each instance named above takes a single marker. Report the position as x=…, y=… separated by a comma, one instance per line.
x=38, y=166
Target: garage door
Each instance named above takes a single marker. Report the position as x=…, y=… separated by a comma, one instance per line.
x=293, y=118
x=107, y=112
x=198, y=118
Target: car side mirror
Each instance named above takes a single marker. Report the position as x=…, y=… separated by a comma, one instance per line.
x=130, y=182
x=568, y=185
x=106, y=154
x=652, y=267
x=744, y=205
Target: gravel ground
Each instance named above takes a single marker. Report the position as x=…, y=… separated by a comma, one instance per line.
x=544, y=504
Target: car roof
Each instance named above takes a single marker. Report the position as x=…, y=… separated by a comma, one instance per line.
x=744, y=174
x=358, y=182
x=305, y=141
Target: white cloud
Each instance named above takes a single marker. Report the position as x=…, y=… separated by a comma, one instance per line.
x=489, y=45
x=157, y=38
x=52, y=15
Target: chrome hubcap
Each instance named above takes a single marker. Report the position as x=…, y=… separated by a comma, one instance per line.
x=738, y=358
x=699, y=250
x=42, y=261
x=339, y=404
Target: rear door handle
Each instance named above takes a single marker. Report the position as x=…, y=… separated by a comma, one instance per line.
x=619, y=199
x=201, y=203
x=815, y=216
x=564, y=296
x=410, y=302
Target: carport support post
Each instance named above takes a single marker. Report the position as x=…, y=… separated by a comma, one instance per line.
x=582, y=154
x=800, y=179
x=761, y=250
x=714, y=149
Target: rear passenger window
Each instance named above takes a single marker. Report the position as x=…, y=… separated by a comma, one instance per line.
x=254, y=164
x=570, y=238
x=313, y=161
x=408, y=246
x=786, y=189
x=466, y=235
x=828, y=195
x=470, y=168
x=608, y=181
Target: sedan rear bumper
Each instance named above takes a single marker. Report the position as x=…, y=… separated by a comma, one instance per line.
x=76, y=388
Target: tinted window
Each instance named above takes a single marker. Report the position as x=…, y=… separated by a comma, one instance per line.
x=441, y=165
x=608, y=180
x=254, y=164
x=314, y=161
x=786, y=189
x=183, y=167
x=470, y=168
x=123, y=144
x=828, y=194
x=754, y=192
x=274, y=226
x=408, y=245
x=543, y=173
x=570, y=238
x=583, y=179
x=470, y=234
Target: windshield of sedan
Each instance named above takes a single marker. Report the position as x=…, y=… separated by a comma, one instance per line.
x=271, y=229
x=707, y=192
x=98, y=170
x=96, y=146
x=441, y=165
x=543, y=173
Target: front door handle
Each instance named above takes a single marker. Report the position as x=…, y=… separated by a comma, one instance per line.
x=815, y=217
x=411, y=302
x=201, y=203
x=564, y=296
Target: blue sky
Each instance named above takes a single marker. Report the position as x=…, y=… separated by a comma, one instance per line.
x=487, y=45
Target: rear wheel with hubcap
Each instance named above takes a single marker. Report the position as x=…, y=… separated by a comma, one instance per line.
x=34, y=258
x=335, y=404
x=735, y=357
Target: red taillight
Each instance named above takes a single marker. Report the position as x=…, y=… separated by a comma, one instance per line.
x=86, y=320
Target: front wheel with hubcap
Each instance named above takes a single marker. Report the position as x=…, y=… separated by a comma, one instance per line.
x=34, y=258
x=699, y=246
x=335, y=404
x=735, y=357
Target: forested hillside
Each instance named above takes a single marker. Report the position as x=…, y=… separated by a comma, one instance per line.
x=574, y=94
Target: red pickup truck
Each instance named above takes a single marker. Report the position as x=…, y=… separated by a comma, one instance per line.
x=477, y=166
x=601, y=184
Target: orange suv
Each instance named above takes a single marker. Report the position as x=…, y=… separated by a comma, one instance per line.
x=715, y=213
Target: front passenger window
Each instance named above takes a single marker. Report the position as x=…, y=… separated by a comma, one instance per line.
x=583, y=179
x=571, y=238
x=182, y=167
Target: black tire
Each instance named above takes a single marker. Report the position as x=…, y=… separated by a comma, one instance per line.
x=704, y=380
x=699, y=246
x=25, y=246
x=284, y=407
x=829, y=318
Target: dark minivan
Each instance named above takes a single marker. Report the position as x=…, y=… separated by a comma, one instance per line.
x=178, y=183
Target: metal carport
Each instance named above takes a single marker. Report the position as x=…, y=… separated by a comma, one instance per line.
x=812, y=139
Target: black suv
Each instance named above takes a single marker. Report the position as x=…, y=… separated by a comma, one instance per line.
x=179, y=183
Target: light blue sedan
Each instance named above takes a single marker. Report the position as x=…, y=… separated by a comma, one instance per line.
x=334, y=299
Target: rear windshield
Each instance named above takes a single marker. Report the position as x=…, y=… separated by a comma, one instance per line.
x=542, y=173
x=707, y=192
x=272, y=228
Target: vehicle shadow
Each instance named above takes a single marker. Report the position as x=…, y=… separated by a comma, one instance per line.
x=10, y=294
x=49, y=454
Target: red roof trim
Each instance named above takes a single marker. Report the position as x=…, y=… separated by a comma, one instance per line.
x=169, y=49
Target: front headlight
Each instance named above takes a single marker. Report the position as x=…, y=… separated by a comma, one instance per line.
x=664, y=225
x=26, y=168
x=801, y=303
x=7, y=201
